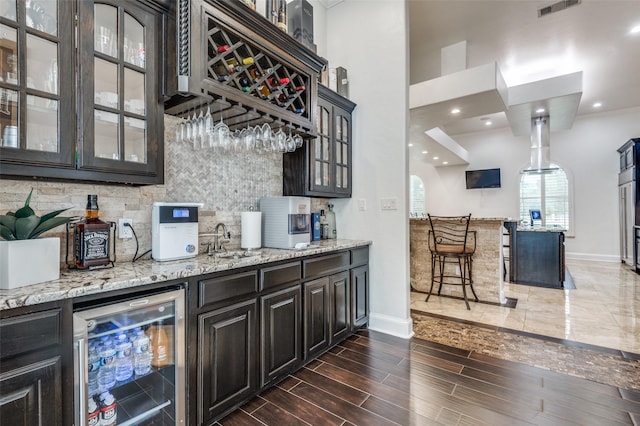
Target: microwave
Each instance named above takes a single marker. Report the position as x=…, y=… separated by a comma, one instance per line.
x=286, y=221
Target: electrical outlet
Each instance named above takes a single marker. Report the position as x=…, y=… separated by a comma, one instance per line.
x=125, y=231
x=362, y=204
x=389, y=204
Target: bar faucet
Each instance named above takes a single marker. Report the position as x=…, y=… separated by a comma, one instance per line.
x=218, y=243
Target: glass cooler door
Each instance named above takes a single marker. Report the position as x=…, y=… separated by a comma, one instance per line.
x=130, y=362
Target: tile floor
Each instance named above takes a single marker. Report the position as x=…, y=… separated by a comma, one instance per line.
x=603, y=310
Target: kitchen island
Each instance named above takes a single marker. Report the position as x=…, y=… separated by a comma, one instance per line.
x=537, y=255
x=487, y=260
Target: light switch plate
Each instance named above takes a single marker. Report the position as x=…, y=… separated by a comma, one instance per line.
x=362, y=204
x=389, y=204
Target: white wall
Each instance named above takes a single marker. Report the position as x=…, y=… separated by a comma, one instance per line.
x=587, y=152
x=369, y=39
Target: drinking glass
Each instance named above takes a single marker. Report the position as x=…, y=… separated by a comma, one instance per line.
x=281, y=141
x=297, y=139
x=221, y=136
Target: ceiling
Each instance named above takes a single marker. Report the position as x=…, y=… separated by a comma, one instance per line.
x=593, y=37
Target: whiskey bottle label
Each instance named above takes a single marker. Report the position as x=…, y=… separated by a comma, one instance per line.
x=95, y=245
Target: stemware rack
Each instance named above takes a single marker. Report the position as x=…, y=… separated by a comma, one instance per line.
x=241, y=67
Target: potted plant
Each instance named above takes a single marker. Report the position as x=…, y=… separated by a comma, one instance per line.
x=24, y=258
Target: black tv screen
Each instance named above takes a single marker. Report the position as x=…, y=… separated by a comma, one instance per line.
x=487, y=178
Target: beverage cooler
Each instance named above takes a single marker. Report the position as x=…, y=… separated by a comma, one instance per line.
x=130, y=362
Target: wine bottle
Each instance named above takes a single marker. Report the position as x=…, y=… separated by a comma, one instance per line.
x=282, y=15
x=247, y=61
x=245, y=84
x=223, y=48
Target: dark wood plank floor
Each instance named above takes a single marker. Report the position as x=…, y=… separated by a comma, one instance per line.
x=377, y=379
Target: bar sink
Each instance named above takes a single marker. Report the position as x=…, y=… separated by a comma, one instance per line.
x=238, y=254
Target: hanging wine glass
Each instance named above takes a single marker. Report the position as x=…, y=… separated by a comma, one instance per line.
x=247, y=138
x=259, y=144
x=221, y=135
x=201, y=135
x=187, y=128
x=281, y=141
x=266, y=136
x=291, y=145
x=297, y=139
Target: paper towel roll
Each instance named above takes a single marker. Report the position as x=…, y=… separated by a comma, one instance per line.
x=251, y=237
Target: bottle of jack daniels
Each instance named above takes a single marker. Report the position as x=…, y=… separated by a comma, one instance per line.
x=91, y=238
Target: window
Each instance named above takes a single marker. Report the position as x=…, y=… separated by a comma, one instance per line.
x=416, y=195
x=548, y=192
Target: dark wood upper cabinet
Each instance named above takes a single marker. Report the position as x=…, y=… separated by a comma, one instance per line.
x=237, y=63
x=323, y=167
x=83, y=106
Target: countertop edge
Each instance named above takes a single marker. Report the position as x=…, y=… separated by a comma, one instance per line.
x=74, y=283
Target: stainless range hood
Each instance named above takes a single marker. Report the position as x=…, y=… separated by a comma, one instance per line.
x=540, y=146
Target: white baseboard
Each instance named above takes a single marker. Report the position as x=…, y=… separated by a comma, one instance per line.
x=399, y=327
x=593, y=257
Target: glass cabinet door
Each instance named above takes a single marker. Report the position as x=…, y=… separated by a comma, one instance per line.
x=117, y=105
x=36, y=123
x=320, y=147
x=342, y=147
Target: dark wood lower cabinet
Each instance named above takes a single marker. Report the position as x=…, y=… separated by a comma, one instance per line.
x=30, y=395
x=227, y=361
x=281, y=347
x=340, y=309
x=316, y=317
x=359, y=297
x=36, y=371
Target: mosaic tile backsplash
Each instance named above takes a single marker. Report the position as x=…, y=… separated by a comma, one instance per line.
x=226, y=183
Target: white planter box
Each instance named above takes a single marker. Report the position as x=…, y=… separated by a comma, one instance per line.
x=26, y=262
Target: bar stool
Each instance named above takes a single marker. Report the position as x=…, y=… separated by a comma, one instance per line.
x=451, y=242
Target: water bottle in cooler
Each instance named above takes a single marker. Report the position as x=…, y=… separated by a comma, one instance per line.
x=107, y=372
x=123, y=362
x=94, y=369
x=141, y=354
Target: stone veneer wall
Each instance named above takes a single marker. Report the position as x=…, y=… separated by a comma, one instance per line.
x=487, y=264
x=225, y=183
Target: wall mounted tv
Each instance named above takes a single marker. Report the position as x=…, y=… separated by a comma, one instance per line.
x=487, y=178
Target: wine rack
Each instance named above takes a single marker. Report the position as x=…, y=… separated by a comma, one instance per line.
x=235, y=62
x=242, y=66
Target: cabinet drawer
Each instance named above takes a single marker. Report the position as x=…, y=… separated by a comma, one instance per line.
x=326, y=265
x=25, y=333
x=221, y=288
x=281, y=274
x=360, y=256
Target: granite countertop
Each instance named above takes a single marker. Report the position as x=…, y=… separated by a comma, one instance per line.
x=488, y=219
x=540, y=229
x=74, y=283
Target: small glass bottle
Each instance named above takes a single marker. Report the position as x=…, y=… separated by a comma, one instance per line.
x=91, y=238
x=331, y=223
x=159, y=344
x=324, y=226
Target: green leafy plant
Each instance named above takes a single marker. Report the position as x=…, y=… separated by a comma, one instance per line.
x=24, y=224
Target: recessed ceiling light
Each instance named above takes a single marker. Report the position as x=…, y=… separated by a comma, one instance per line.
x=445, y=162
x=410, y=145
x=435, y=158
x=425, y=152
x=635, y=29
x=488, y=123
x=597, y=104
x=455, y=111
x=540, y=110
